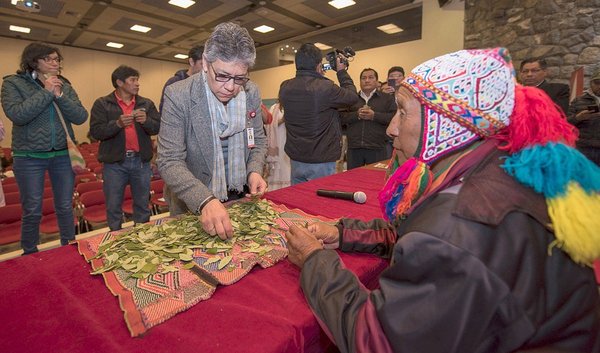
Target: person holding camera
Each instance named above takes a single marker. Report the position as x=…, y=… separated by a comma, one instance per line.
x=395, y=76
x=585, y=116
x=123, y=122
x=366, y=122
x=310, y=100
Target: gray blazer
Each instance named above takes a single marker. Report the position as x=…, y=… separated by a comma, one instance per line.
x=185, y=148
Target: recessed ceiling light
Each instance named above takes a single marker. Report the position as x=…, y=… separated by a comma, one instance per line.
x=322, y=46
x=114, y=45
x=181, y=56
x=340, y=4
x=264, y=29
x=140, y=28
x=390, y=28
x=13, y=2
x=19, y=29
x=182, y=3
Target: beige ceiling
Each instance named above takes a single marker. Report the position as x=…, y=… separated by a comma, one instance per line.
x=91, y=24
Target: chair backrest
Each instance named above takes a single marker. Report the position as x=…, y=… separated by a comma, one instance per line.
x=84, y=178
x=48, y=206
x=12, y=198
x=9, y=180
x=11, y=214
x=10, y=188
x=48, y=192
x=91, y=198
x=82, y=188
x=157, y=186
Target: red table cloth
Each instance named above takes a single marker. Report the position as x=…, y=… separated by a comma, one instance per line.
x=50, y=302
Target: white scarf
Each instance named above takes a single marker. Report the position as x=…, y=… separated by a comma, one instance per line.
x=227, y=122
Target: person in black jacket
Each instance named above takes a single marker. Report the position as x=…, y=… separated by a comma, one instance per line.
x=533, y=73
x=123, y=122
x=585, y=116
x=310, y=100
x=366, y=122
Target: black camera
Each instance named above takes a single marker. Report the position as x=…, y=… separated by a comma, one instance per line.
x=345, y=55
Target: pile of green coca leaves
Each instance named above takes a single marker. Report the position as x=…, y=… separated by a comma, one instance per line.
x=148, y=249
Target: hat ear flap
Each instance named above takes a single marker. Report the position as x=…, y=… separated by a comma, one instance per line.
x=536, y=120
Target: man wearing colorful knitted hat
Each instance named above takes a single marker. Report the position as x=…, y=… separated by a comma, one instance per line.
x=491, y=224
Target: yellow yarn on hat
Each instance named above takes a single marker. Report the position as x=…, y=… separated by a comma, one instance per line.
x=576, y=220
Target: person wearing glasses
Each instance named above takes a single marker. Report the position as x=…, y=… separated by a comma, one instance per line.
x=32, y=99
x=123, y=122
x=212, y=144
x=533, y=73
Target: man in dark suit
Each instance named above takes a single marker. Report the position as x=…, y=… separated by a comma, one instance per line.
x=533, y=73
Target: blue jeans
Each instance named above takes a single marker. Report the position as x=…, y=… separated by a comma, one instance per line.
x=302, y=172
x=29, y=174
x=116, y=176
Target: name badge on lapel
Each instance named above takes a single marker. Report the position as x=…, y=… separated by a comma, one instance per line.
x=250, y=135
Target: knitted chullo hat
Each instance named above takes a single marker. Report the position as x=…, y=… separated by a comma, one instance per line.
x=470, y=95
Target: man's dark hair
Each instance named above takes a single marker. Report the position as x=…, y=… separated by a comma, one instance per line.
x=308, y=57
x=369, y=69
x=196, y=52
x=542, y=62
x=122, y=73
x=396, y=69
x=32, y=53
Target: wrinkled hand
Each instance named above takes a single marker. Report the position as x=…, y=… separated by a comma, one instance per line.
x=216, y=221
x=586, y=115
x=328, y=234
x=139, y=116
x=125, y=120
x=256, y=184
x=301, y=243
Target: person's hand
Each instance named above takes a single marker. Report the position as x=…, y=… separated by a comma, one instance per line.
x=388, y=89
x=587, y=115
x=366, y=113
x=125, y=120
x=53, y=84
x=139, y=115
x=301, y=243
x=256, y=184
x=339, y=64
x=328, y=234
x=216, y=221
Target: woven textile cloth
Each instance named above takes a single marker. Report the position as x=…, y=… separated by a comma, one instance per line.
x=153, y=300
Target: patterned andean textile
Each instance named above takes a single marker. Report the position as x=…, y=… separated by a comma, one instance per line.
x=153, y=300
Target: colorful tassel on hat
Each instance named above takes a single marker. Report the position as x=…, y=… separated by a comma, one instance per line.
x=571, y=185
x=404, y=187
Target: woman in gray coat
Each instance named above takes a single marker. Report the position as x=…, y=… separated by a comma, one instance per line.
x=212, y=143
x=33, y=100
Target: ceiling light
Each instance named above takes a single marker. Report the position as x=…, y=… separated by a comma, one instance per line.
x=390, y=28
x=114, y=45
x=19, y=29
x=140, y=28
x=13, y=2
x=322, y=46
x=264, y=29
x=182, y=3
x=181, y=56
x=340, y=4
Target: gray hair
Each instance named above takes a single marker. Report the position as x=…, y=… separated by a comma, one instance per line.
x=230, y=43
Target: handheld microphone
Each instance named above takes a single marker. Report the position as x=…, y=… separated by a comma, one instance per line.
x=358, y=196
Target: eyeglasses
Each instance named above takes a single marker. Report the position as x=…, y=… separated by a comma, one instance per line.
x=48, y=59
x=238, y=80
x=533, y=71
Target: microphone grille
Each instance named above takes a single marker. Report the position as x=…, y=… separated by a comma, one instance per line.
x=360, y=197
